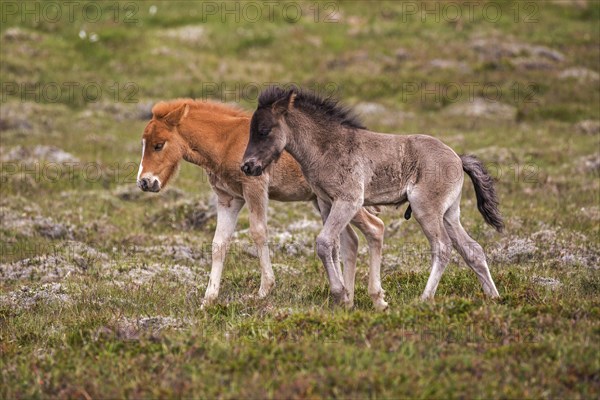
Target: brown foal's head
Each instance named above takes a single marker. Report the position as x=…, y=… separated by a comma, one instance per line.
x=162, y=147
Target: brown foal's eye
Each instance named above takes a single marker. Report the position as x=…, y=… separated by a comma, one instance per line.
x=158, y=146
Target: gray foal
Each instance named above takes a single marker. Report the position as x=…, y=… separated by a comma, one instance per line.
x=348, y=166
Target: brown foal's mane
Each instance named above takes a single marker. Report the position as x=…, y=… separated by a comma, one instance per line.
x=162, y=108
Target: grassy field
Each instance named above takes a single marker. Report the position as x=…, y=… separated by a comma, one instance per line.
x=101, y=284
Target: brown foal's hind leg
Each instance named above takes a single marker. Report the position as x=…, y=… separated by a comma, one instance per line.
x=257, y=205
x=349, y=253
x=373, y=229
x=469, y=249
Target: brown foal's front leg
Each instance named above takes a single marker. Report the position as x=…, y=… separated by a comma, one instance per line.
x=227, y=214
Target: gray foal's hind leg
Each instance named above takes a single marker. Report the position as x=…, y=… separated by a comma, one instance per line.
x=432, y=224
x=469, y=249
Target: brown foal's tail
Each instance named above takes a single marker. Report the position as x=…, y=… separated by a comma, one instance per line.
x=487, y=200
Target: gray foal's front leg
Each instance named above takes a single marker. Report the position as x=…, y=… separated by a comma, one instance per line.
x=325, y=209
x=339, y=216
x=348, y=241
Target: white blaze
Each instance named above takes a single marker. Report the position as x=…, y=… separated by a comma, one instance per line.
x=141, y=167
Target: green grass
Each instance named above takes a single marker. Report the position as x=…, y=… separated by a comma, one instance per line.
x=536, y=341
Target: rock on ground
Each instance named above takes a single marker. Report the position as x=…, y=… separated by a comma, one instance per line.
x=58, y=262
x=28, y=297
x=579, y=73
x=481, y=108
x=17, y=34
x=142, y=275
x=187, y=33
x=589, y=164
x=39, y=153
x=514, y=250
x=45, y=268
x=525, y=56
x=28, y=118
x=546, y=282
x=130, y=329
x=381, y=114
x=580, y=4
x=588, y=127
x=30, y=224
x=459, y=66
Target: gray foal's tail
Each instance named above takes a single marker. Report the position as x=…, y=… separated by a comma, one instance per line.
x=487, y=200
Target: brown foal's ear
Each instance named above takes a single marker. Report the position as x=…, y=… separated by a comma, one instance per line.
x=286, y=104
x=175, y=117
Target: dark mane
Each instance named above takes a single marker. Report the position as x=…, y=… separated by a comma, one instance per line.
x=313, y=104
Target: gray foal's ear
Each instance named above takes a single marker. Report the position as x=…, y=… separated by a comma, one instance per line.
x=285, y=104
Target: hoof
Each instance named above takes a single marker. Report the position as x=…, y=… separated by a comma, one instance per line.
x=381, y=305
x=378, y=301
x=207, y=302
x=265, y=289
x=493, y=293
x=342, y=298
x=426, y=297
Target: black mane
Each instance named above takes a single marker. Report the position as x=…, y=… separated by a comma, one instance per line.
x=313, y=104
